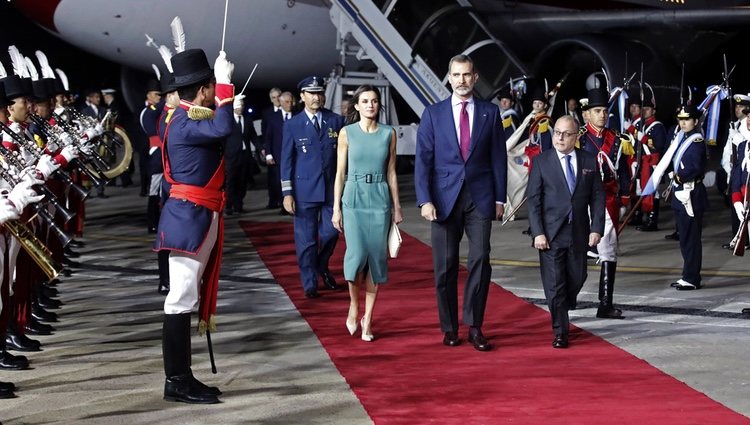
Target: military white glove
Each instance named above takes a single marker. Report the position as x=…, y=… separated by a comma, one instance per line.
x=69, y=152
x=239, y=101
x=46, y=166
x=99, y=129
x=65, y=139
x=90, y=133
x=23, y=195
x=8, y=211
x=85, y=148
x=739, y=209
x=223, y=69
x=52, y=146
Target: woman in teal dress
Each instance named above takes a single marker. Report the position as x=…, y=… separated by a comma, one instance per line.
x=365, y=201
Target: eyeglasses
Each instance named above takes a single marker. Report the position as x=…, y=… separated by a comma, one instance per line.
x=565, y=134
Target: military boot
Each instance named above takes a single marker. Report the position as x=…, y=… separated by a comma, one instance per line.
x=606, y=309
x=163, y=287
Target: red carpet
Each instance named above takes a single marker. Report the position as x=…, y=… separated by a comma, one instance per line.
x=407, y=376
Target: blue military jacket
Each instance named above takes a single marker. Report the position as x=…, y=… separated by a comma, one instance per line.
x=308, y=158
x=195, y=151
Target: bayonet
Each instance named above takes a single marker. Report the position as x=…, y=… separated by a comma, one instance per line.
x=682, y=85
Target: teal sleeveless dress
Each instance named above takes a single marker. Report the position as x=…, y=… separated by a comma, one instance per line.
x=366, y=202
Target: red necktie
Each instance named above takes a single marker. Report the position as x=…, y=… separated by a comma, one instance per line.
x=464, y=131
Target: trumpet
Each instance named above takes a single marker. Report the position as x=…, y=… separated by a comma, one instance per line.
x=35, y=248
x=53, y=134
x=32, y=148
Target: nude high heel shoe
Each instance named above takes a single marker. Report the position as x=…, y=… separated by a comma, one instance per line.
x=365, y=337
x=351, y=327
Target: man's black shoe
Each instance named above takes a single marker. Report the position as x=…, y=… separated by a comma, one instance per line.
x=151, y=230
x=7, y=386
x=479, y=341
x=35, y=328
x=47, y=302
x=69, y=263
x=39, y=313
x=312, y=294
x=18, y=342
x=181, y=388
x=560, y=342
x=328, y=280
x=10, y=362
x=674, y=236
x=205, y=389
x=77, y=244
x=70, y=253
x=451, y=339
x=609, y=312
x=163, y=288
x=727, y=245
x=6, y=394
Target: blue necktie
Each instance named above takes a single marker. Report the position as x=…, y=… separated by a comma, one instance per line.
x=571, y=178
x=316, y=124
x=571, y=175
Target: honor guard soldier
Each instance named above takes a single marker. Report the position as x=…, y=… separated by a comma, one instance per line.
x=508, y=114
x=191, y=223
x=604, y=143
x=689, y=198
x=540, y=129
x=308, y=168
x=738, y=132
x=653, y=139
x=738, y=183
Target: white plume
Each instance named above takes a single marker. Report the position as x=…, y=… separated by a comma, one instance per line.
x=3, y=74
x=47, y=71
x=166, y=56
x=63, y=78
x=178, y=34
x=19, y=64
x=156, y=71
x=31, y=69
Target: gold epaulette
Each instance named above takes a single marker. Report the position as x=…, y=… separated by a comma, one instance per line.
x=582, y=131
x=543, y=126
x=200, y=113
x=507, y=122
x=39, y=141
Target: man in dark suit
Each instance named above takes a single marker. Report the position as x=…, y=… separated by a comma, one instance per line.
x=238, y=155
x=460, y=177
x=272, y=148
x=564, y=187
x=308, y=168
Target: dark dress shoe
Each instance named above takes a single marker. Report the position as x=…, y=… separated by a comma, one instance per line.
x=69, y=263
x=479, y=341
x=42, y=315
x=35, y=328
x=329, y=281
x=7, y=386
x=746, y=311
x=648, y=227
x=48, y=303
x=687, y=287
x=451, y=339
x=70, y=253
x=560, y=342
x=6, y=394
x=312, y=294
x=163, y=288
x=18, y=342
x=182, y=388
x=205, y=389
x=727, y=245
x=609, y=312
x=77, y=244
x=66, y=272
x=674, y=236
x=151, y=230
x=10, y=362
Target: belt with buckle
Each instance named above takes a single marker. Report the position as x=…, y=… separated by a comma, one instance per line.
x=366, y=178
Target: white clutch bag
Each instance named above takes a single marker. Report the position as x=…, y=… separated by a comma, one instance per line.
x=394, y=240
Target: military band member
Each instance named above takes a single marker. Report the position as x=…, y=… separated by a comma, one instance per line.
x=739, y=174
x=308, y=168
x=191, y=224
x=604, y=143
x=508, y=114
x=653, y=139
x=738, y=133
x=689, y=198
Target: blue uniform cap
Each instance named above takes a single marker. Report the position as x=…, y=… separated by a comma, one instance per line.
x=312, y=84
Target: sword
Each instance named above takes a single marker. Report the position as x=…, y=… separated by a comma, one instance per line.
x=511, y=214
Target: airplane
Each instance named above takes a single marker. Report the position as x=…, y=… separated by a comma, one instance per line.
x=536, y=38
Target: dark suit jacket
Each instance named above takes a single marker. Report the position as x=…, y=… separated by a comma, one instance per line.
x=273, y=135
x=550, y=201
x=233, y=153
x=439, y=170
x=88, y=110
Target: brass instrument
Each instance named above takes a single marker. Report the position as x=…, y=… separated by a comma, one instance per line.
x=35, y=248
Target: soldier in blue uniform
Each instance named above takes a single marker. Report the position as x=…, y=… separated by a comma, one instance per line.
x=508, y=114
x=689, y=198
x=308, y=168
x=191, y=224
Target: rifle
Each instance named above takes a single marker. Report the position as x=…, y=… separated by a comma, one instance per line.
x=639, y=145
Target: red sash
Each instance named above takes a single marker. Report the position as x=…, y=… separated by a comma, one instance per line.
x=212, y=197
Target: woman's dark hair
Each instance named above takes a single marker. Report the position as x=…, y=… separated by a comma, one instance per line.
x=352, y=115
